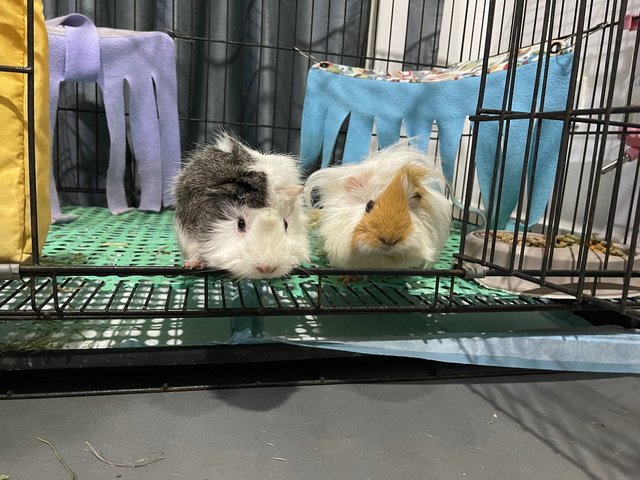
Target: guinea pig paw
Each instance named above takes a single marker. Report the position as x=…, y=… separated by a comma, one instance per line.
x=191, y=264
x=347, y=279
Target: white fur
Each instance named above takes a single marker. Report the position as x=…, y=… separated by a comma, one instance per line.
x=281, y=170
x=264, y=243
x=343, y=206
x=224, y=142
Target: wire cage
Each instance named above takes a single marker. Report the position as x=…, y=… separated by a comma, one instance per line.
x=242, y=66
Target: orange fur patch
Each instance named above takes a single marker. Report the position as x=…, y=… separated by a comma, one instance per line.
x=416, y=174
x=389, y=222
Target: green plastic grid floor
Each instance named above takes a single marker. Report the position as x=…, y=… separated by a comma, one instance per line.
x=99, y=238
x=131, y=311
x=147, y=239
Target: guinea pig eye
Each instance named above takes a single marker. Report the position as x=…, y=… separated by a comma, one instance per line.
x=286, y=225
x=241, y=224
x=416, y=196
x=369, y=206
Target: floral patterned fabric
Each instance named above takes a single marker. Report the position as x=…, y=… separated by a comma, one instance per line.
x=457, y=71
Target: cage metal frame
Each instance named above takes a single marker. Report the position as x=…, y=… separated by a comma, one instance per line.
x=570, y=116
x=44, y=301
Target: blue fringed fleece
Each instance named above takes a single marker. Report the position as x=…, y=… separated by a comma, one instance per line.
x=332, y=97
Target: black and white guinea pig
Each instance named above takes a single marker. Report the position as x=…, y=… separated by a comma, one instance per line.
x=388, y=211
x=240, y=210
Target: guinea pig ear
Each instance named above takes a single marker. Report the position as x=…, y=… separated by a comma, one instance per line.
x=416, y=174
x=425, y=176
x=291, y=191
x=354, y=184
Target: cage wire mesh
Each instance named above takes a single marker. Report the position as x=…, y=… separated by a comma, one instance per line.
x=242, y=66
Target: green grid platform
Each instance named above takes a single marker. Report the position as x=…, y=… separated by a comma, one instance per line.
x=132, y=311
x=99, y=238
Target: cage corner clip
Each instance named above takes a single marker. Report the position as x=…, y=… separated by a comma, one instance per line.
x=9, y=271
x=473, y=271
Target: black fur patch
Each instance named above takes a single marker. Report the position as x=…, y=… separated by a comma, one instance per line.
x=213, y=180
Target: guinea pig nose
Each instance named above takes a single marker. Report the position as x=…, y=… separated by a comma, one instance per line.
x=265, y=269
x=389, y=241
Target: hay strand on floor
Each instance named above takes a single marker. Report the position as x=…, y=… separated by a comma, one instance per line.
x=67, y=468
x=139, y=463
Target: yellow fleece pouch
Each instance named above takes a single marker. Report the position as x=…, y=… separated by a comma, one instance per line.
x=15, y=216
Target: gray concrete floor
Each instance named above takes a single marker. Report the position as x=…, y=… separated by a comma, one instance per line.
x=559, y=427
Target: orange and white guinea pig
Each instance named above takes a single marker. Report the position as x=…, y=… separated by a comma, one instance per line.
x=388, y=211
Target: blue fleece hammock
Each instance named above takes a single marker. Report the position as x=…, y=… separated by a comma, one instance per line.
x=448, y=97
